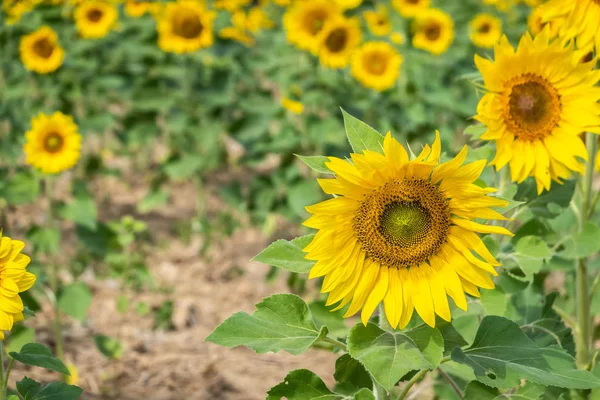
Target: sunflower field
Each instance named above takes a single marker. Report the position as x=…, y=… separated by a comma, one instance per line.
x=299, y=199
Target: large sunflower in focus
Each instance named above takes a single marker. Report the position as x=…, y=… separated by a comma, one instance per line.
x=339, y=39
x=40, y=51
x=14, y=279
x=53, y=144
x=95, y=19
x=376, y=65
x=305, y=20
x=540, y=99
x=400, y=232
x=434, y=31
x=185, y=26
x=578, y=19
x=411, y=8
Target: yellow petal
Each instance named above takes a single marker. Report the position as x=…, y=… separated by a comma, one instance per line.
x=376, y=296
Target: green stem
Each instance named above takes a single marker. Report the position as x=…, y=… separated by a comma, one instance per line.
x=8, y=370
x=3, y=387
x=378, y=390
x=452, y=383
x=335, y=342
x=411, y=383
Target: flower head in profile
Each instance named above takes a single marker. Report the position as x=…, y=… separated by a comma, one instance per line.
x=578, y=19
x=53, y=144
x=14, y=279
x=540, y=98
x=41, y=52
x=95, y=19
x=376, y=65
x=185, y=26
x=339, y=40
x=401, y=232
x=433, y=31
x=305, y=20
x=485, y=30
x=411, y=8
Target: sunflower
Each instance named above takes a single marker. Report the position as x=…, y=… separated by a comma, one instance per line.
x=95, y=19
x=339, y=40
x=536, y=23
x=231, y=5
x=378, y=21
x=579, y=19
x=185, y=26
x=237, y=34
x=53, y=144
x=15, y=9
x=14, y=279
x=486, y=30
x=376, y=65
x=41, y=52
x=540, y=98
x=410, y=8
x=434, y=31
x=401, y=231
x=304, y=20
x=348, y=4
x=292, y=105
x=136, y=9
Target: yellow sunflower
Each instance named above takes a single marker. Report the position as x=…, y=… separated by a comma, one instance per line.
x=14, y=279
x=348, y=4
x=237, y=34
x=15, y=9
x=578, y=19
x=53, y=144
x=486, y=30
x=41, y=52
x=410, y=8
x=339, y=40
x=304, y=20
x=185, y=26
x=95, y=19
x=536, y=23
x=292, y=105
x=434, y=31
x=401, y=231
x=136, y=9
x=378, y=21
x=540, y=99
x=231, y=5
x=376, y=65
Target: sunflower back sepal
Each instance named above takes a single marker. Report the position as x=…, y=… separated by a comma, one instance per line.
x=362, y=136
x=288, y=254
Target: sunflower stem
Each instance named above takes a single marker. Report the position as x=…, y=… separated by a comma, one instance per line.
x=3, y=387
x=411, y=383
x=378, y=390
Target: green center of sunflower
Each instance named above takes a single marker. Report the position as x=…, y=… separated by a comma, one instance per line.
x=533, y=108
x=53, y=142
x=43, y=47
x=376, y=63
x=94, y=15
x=188, y=26
x=403, y=223
x=433, y=31
x=336, y=40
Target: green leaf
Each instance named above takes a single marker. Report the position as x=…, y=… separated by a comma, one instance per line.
x=109, y=347
x=583, y=244
x=550, y=203
x=475, y=131
x=32, y=390
x=361, y=136
x=303, y=384
x=280, y=322
x=28, y=388
x=44, y=240
x=38, y=355
x=450, y=335
x=478, y=391
x=334, y=321
x=152, y=201
x=350, y=375
x=502, y=355
x=316, y=163
x=22, y=188
x=530, y=254
x=494, y=301
x=184, y=167
x=75, y=300
x=19, y=336
x=389, y=356
x=288, y=255
x=82, y=210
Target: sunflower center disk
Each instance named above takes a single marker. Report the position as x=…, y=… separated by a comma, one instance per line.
x=376, y=63
x=485, y=28
x=188, y=26
x=336, y=40
x=53, y=142
x=533, y=107
x=94, y=15
x=433, y=31
x=314, y=22
x=43, y=48
x=403, y=223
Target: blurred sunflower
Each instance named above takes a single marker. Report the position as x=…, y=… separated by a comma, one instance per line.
x=231, y=5
x=376, y=65
x=95, y=19
x=136, y=9
x=292, y=105
x=536, y=23
x=398, y=38
x=15, y=9
x=485, y=30
x=400, y=232
x=434, y=31
x=40, y=51
x=14, y=279
x=348, y=4
x=339, y=40
x=304, y=20
x=53, y=144
x=378, y=21
x=185, y=26
x=410, y=8
x=540, y=99
x=579, y=19
x=237, y=34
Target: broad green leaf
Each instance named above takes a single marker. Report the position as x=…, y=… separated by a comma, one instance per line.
x=450, y=335
x=494, y=301
x=81, y=210
x=109, y=346
x=478, y=391
x=184, y=167
x=75, y=300
x=44, y=240
x=550, y=203
x=316, y=163
x=288, y=254
x=583, y=244
x=38, y=355
x=280, y=322
x=19, y=336
x=28, y=388
x=32, y=390
x=530, y=254
x=22, y=188
x=350, y=375
x=303, y=384
x=389, y=356
x=502, y=355
x=361, y=136
x=334, y=321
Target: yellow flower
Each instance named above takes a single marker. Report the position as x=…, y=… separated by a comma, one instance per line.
x=348, y=4
x=376, y=65
x=136, y=9
x=283, y=3
x=72, y=379
x=579, y=19
x=304, y=20
x=434, y=31
x=502, y=5
x=536, y=23
x=255, y=20
x=540, y=99
x=378, y=21
x=400, y=232
x=339, y=40
x=231, y=5
x=14, y=279
x=41, y=52
x=53, y=144
x=291, y=105
x=486, y=30
x=95, y=19
x=15, y=9
x=237, y=34
x=410, y=8
x=398, y=38
x=185, y=26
